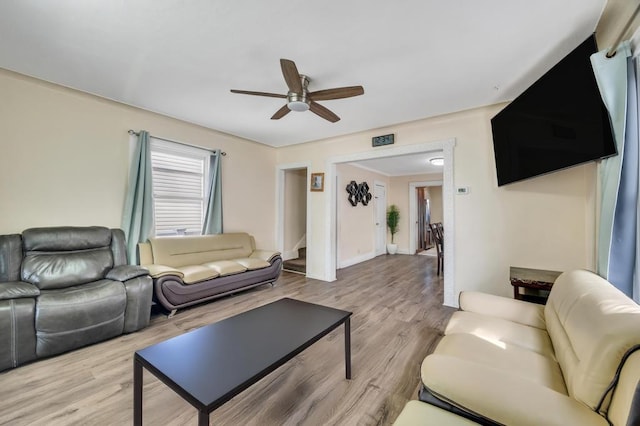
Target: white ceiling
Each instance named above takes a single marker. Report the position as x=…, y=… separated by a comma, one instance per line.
x=403, y=165
x=415, y=58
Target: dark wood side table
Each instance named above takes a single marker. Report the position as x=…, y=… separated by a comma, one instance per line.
x=536, y=283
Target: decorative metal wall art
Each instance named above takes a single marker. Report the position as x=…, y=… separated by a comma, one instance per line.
x=358, y=193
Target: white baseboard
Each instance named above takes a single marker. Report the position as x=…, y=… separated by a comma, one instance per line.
x=355, y=260
x=403, y=251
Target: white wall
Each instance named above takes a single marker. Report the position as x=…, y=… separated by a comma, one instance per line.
x=64, y=160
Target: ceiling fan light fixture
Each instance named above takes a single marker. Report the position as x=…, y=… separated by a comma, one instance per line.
x=299, y=98
x=299, y=106
x=437, y=161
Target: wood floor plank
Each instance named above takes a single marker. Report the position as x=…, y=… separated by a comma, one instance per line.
x=398, y=318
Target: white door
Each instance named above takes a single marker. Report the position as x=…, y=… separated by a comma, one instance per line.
x=380, y=196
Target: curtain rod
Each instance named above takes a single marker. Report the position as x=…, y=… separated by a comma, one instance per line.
x=612, y=51
x=133, y=132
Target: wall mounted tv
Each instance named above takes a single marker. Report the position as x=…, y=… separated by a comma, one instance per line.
x=558, y=122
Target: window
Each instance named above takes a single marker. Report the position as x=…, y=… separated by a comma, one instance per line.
x=179, y=175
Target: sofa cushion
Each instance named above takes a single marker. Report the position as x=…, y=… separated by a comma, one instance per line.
x=64, y=256
x=502, y=396
x=500, y=331
x=226, y=267
x=49, y=270
x=417, y=413
x=196, y=273
x=252, y=263
x=525, y=363
x=77, y=316
x=519, y=311
x=197, y=250
x=592, y=325
x=66, y=238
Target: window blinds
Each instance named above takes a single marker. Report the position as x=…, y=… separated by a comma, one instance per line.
x=179, y=176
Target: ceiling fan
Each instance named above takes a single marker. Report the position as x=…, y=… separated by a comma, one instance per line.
x=300, y=99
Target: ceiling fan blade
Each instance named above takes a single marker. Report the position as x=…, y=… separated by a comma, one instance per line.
x=291, y=75
x=323, y=112
x=337, y=93
x=281, y=113
x=247, y=92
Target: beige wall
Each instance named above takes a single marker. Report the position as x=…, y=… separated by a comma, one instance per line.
x=356, y=228
x=295, y=211
x=541, y=223
x=435, y=204
x=547, y=222
x=399, y=195
x=613, y=20
x=64, y=160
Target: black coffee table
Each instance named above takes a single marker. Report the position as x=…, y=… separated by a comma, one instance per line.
x=210, y=365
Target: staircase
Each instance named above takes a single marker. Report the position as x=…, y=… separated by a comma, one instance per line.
x=298, y=265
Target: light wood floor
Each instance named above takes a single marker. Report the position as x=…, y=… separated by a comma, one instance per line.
x=398, y=319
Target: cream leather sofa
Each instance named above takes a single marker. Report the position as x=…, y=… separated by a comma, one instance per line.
x=574, y=361
x=187, y=270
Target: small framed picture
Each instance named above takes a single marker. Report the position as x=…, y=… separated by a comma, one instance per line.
x=317, y=182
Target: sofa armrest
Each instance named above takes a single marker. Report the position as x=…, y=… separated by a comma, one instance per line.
x=501, y=396
x=137, y=313
x=145, y=253
x=126, y=272
x=157, y=271
x=527, y=313
x=17, y=290
x=266, y=255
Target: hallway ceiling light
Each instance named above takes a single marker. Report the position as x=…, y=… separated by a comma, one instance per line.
x=437, y=161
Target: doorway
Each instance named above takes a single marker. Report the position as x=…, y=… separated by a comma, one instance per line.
x=380, y=200
x=329, y=238
x=292, y=223
x=423, y=240
x=415, y=232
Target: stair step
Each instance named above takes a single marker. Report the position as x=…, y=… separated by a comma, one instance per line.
x=299, y=264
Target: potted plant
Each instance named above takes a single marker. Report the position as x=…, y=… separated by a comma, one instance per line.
x=393, y=217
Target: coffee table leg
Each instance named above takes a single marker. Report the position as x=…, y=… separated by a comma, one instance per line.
x=203, y=418
x=137, y=392
x=347, y=347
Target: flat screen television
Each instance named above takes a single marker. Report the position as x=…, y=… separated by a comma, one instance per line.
x=558, y=122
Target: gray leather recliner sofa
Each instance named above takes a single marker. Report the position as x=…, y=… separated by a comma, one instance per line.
x=62, y=288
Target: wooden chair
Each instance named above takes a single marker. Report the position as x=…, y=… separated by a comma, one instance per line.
x=439, y=242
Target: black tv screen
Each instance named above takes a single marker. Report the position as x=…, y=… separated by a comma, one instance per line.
x=558, y=122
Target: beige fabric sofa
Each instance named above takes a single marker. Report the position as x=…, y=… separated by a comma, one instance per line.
x=574, y=361
x=192, y=269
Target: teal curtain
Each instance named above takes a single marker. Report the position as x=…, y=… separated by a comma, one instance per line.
x=137, y=217
x=213, y=214
x=619, y=215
